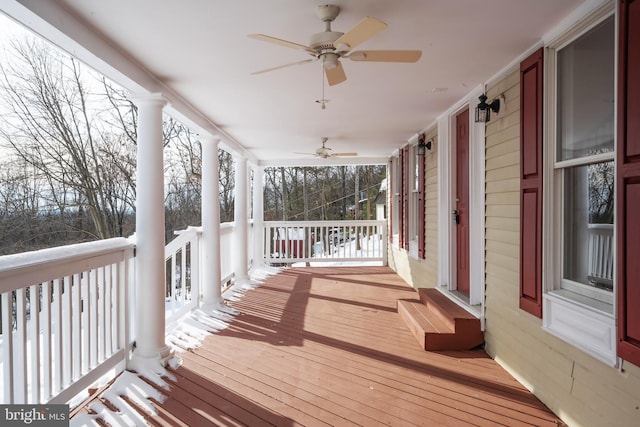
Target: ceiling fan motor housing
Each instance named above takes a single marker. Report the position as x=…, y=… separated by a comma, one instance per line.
x=327, y=12
x=322, y=43
x=324, y=40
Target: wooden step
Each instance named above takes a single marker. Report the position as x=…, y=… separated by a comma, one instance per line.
x=438, y=323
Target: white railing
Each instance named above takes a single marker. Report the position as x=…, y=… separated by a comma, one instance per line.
x=324, y=241
x=182, y=254
x=226, y=253
x=182, y=270
x=600, y=252
x=64, y=312
x=64, y=319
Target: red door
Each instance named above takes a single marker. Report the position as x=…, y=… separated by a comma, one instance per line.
x=461, y=212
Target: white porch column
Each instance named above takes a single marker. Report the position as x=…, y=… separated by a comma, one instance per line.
x=241, y=222
x=150, y=243
x=258, y=216
x=211, y=268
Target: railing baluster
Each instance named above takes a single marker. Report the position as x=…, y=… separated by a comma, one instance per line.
x=122, y=314
x=34, y=323
x=77, y=324
x=172, y=285
x=102, y=324
x=47, y=380
x=67, y=332
x=86, y=323
x=21, y=346
x=183, y=275
x=93, y=319
x=195, y=270
x=108, y=323
x=56, y=334
x=8, y=377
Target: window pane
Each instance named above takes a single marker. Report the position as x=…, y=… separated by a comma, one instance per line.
x=588, y=224
x=586, y=94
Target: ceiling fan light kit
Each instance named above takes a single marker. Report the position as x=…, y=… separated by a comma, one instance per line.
x=330, y=46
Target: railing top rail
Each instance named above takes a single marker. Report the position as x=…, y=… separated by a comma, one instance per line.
x=227, y=227
x=592, y=226
x=334, y=223
x=181, y=237
x=25, y=263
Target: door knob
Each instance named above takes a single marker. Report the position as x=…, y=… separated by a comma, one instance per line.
x=456, y=216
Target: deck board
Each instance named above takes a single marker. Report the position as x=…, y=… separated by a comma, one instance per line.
x=325, y=347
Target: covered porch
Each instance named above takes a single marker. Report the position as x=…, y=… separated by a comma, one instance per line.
x=325, y=346
x=251, y=322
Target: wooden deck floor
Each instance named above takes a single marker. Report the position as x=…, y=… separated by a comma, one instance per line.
x=325, y=347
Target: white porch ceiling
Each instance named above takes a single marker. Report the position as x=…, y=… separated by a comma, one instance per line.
x=198, y=54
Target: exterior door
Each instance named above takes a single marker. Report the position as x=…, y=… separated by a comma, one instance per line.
x=461, y=212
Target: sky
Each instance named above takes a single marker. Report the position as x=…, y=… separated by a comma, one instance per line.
x=9, y=28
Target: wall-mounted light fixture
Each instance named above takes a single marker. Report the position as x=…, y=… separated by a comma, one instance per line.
x=422, y=145
x=483, y=110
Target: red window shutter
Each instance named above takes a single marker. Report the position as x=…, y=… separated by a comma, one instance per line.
x=421, y=206
x=628, y=182
x=405, y=196
x=531, y=87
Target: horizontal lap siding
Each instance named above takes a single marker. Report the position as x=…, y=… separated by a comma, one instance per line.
x=586, y=392
x=423, y=273
x=431, y=212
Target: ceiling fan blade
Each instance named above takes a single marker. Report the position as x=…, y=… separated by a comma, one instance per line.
x=335, y=75
x=344, y=154
x=281, y=42
x=283, y=66
x=363, y=31
x=386, y=55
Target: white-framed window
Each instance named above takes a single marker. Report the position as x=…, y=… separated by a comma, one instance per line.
x=579, y=303
x=414, y=214
x=396, y=182
x=584, y=162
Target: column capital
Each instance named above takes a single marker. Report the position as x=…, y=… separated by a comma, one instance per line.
x=149, y=99
x=210, y=139
x=256, y=167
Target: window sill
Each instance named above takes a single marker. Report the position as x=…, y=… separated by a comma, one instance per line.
x=586, y=324
x=584, y=301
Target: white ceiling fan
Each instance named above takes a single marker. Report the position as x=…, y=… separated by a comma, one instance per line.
x=330, y=46
x=325, y=152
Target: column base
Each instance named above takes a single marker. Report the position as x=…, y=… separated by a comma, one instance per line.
x=244, y=283
x=151, y=362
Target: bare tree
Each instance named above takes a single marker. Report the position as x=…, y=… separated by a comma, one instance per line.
x=53, y=128
x=227, y=185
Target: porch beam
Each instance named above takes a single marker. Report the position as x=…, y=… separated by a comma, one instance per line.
x=150, y=263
